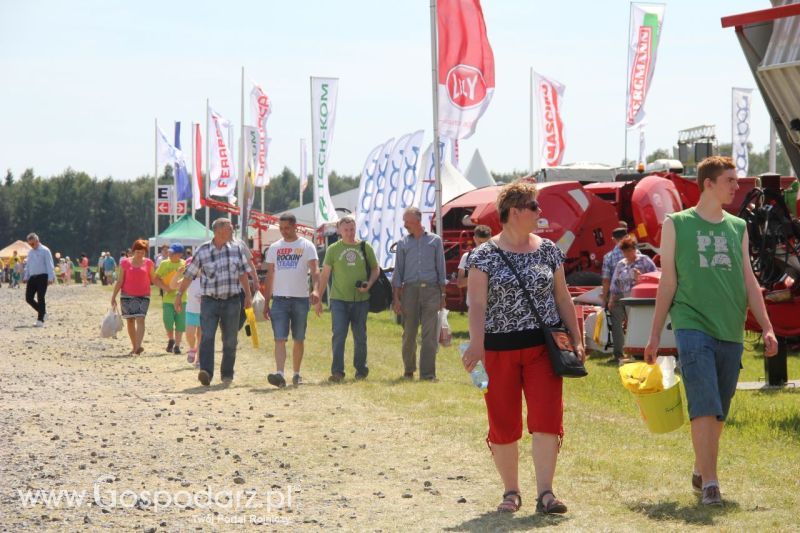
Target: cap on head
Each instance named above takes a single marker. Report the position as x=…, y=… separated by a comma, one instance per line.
x=176, y=248
x=619, y=232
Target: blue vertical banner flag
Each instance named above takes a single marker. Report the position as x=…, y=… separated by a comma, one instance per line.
x=182, y=184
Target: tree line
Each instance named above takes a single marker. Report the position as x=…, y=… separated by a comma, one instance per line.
x=75, y=213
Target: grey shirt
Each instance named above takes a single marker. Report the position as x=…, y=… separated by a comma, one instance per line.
x=419, y=261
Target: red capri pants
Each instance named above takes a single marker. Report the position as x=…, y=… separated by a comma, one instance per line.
x=512, y=372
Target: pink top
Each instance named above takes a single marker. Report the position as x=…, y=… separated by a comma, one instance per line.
x=137, y=279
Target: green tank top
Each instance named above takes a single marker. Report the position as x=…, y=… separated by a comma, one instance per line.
x=711, y=296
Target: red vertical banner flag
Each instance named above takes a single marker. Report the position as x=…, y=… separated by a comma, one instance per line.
x=466, y=67
x=198, y=191
x=549, y=94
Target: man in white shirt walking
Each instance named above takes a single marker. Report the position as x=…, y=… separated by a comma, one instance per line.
x=39, y=273
x=289, y=263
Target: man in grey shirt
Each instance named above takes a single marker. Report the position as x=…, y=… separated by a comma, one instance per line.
x=418, y=282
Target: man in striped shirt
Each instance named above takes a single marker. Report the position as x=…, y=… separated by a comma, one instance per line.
x=224, y=270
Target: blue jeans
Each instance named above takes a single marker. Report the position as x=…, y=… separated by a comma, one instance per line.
x=710, y=370
x=286, y=312
x=353, y=315
x=225, y=314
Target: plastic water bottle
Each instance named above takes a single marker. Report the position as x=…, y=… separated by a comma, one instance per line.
x=478, y=375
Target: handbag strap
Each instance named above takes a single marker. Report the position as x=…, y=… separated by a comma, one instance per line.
x=544, y=327
x=364, y=253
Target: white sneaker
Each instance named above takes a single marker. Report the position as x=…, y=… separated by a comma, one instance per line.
x=39, y=324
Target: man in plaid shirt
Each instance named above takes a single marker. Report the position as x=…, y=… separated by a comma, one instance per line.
x=224, y=270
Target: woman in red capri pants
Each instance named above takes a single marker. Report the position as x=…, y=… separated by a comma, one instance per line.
x=505, y=335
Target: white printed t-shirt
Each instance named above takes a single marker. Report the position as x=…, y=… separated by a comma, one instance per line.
x=290, y=260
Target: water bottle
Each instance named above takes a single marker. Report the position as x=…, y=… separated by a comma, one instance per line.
x=478, y=375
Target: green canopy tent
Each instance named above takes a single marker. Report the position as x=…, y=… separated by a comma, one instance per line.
x=186, y=230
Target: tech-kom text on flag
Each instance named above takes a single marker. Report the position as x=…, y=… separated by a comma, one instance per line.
x=323, y=119
x=741, y=103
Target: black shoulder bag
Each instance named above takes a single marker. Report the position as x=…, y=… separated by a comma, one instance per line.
x=559, y=346
x=380, y=294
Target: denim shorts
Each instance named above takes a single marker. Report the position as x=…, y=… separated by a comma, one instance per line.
x=286, y=311
x=710, y=370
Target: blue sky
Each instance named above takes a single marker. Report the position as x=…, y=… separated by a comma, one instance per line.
x=83, y=81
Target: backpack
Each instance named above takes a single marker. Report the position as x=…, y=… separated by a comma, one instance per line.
x=380, y=294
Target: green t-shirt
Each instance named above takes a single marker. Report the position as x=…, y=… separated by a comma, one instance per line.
x=347, y=267
x=166, y=270
x=711, y=296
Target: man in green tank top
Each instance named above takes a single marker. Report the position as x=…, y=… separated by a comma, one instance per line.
x=706, y=286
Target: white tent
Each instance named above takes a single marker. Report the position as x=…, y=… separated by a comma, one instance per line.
x=477, y=173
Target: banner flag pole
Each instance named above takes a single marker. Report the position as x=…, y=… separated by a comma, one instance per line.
x=155, y=190
x=434, y=88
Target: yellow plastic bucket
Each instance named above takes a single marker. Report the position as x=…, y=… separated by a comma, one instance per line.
x=662, y=411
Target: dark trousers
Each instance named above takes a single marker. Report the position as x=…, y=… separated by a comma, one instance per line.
x=37, y=285
x=225, y=315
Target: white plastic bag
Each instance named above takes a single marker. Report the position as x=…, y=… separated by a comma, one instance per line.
x=258, y=306
x=667, y=364
x=445, y=335
x=111, y=324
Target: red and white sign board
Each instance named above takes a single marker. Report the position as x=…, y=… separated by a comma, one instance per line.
x=164, y=202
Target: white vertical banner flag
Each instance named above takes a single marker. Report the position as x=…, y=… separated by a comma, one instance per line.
x=323, y=119
x=549, y=95
x=166, y=152
x=252, y=160
x=260, y=109
x=376, y=213
x=645, y=23
x=221, y=173
x=366, y=192
x=410, y=186
x=741, y=100
x=389, y=212
x=427, y=193
x=303, y=168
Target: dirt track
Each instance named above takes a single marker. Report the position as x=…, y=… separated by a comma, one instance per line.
x=79, y=415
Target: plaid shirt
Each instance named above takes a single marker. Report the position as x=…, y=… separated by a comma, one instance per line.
x=610, y=261
x=220, y=269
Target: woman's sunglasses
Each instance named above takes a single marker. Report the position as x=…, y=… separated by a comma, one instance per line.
x=533, y=205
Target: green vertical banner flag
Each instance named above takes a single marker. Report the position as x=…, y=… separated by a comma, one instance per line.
x=646, y=21
x=323, y=116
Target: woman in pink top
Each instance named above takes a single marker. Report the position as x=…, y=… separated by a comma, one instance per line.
x=84, y=270
x=136, y=273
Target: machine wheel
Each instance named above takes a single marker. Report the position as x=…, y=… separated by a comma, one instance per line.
x=584, y=278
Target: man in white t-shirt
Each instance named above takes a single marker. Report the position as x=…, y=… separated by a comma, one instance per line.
x=289, y=262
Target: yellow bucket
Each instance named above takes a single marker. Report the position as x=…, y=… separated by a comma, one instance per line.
x=662, y=411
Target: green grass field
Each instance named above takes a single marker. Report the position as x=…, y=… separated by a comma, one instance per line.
x=609, y=461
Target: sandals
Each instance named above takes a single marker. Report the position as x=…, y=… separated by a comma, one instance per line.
x=555, y=506
x=511, y=503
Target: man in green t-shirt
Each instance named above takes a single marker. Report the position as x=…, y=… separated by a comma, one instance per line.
x=706, y=285
x=349, y=261
x=170, y=270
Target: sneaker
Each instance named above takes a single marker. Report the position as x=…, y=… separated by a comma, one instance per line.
x=360, y=376
x=297, y=380
x=204, y=378
x=170, y=345
x=277, y=380
x=697, y=483
x=227, y=380
x=408, y=375
x=39, y=324
x=712, y=496
x=190, y=356
x=176, y=350
x=336, y=378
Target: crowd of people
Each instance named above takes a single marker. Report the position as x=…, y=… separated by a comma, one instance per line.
x=516, y=287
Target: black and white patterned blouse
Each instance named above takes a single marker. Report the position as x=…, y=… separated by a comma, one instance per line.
x=507, y=308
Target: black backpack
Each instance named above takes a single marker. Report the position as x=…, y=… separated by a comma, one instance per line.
x=380, y=294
